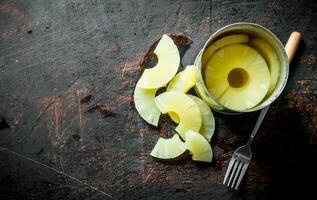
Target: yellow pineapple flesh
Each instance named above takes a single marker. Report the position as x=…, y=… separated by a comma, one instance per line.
x=267, y=51
x=168, y=148
x=182, y=82
x=231, y=39
x=198, y=146
x=166, y=67
x=208, y=121
x=186, y=109
x=238, y=76
x=145, y=105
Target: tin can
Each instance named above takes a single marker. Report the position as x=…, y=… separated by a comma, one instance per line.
x=254, y=30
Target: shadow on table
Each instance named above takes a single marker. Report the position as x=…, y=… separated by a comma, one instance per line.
x=294, y=169
x=284, y=160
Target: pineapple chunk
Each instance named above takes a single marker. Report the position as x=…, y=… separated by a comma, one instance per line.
x=186, y=109
x=145, y=105
x=208, y=121
x=267, y=51
x=231, y=39
x=166, y=67
x=238, y=76
x=182, y=82
x=198, y=146
x=168, y=148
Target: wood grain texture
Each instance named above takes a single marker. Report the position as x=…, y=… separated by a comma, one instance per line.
x=67, y=74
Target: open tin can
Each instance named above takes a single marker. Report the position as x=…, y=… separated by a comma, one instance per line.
x=258, y=32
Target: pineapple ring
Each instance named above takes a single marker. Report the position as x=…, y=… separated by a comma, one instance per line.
x=231, y=39
x=271, y=57
x=166, y=67
x=184, y=107
x=145, y=105
x=198, y=146
x=238, y=76
x=168, y=148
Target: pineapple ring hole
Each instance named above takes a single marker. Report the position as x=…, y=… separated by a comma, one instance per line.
x=238, y=78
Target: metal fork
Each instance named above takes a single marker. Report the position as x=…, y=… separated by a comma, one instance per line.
x=241, y=157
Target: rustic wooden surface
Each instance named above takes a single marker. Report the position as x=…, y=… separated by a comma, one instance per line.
x=68, y=126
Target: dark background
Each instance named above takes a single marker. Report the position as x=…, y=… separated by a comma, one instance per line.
x=67, y=74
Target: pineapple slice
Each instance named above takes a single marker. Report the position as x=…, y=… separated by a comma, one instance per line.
x=186, y=109
x=238, y=76
x=182, y=82
x=168, y=148
x=267, y=51
x=145, y=105
x=166, y=67
x=198, y=146
x=208, y=121
x=231, y=39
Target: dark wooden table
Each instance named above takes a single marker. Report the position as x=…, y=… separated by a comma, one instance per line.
x=68, y=126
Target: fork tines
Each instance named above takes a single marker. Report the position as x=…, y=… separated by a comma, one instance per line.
x=235, y=173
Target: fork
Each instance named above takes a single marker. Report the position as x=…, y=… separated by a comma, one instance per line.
x=241, y=157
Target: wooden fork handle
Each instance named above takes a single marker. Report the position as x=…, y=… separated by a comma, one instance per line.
x=292, y=44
